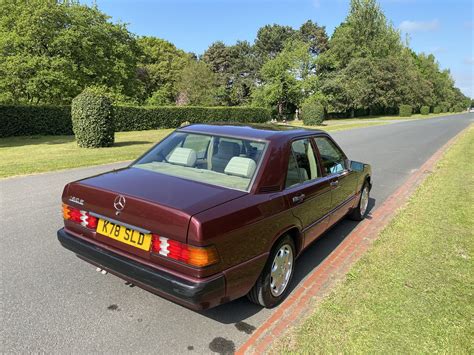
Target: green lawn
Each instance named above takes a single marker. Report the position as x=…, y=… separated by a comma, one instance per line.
x=413, y=292
x=36, y=154
x=28, y=155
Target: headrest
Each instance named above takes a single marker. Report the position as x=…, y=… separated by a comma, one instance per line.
x=228, y=148
x=183, y=156
x=240, y=166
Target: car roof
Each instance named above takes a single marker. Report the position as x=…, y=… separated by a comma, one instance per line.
x=265, y=131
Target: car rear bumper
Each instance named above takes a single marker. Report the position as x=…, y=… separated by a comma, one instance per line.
x=196, y=295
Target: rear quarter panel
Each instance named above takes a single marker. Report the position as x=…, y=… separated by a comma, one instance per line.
x=243, y=230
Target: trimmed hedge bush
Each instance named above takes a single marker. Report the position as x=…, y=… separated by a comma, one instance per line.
x=312, y=113
x=92, y=120
x=33, y=120
x=129, y=118
x=437, y=109
x=445, y=109
x=405, y=110
x=425, y=110
x=56, y=120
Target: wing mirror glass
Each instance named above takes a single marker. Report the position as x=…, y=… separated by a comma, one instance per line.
x=356, y=165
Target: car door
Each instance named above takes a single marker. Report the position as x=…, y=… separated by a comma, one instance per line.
x=307, y=191
x=343, y=180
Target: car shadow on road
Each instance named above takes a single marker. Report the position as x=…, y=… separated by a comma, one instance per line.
x=241, y=309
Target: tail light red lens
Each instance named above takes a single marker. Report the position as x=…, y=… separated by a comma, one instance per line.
x=79, y=216
x=191, y=255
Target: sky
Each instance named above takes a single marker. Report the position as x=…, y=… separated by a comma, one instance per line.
x=442, y=27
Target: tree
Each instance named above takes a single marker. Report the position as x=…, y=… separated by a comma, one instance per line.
x=315, y=36
x=271, y=40
x=287, y=78
x=159, y=68
x=52, y=50
x=217, y=57
x=236, y=68
x=196, y=85
x=361, y=68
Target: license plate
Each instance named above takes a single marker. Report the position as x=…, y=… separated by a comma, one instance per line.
x=123, y=234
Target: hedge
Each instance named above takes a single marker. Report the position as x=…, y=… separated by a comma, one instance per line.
x=312, y=113
x=92, y=120
x=437, y=109
x=129, y=118
x=405, y=110
x=35, y=120
x=425, y=110
x=56, y=120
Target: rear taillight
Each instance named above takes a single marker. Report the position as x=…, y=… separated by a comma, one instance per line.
x=191, y=255
x=79, y=216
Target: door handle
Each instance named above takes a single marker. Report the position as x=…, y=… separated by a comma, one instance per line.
x=298, y=199
x=334, y=183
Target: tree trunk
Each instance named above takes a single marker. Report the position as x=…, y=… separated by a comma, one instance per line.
x=280, y=108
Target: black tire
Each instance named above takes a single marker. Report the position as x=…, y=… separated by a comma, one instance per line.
x=261, y=292
x=358, y=213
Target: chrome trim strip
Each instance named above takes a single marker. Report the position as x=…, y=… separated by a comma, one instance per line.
x=126, y=225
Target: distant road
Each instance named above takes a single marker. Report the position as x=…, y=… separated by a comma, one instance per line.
x=54, y=302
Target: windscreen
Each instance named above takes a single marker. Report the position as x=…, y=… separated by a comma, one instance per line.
x=223, y=161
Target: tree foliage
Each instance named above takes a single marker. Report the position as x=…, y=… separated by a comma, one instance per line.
x=287, y=78
x=196, y=85
x=159, y=68
x=52, y=50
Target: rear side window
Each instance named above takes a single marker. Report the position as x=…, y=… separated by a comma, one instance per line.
x=302, y=163
x=332, y=157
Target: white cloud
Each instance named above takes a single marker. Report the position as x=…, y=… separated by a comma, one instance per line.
x=419, y=26
x=464, y=81
x=469, y=61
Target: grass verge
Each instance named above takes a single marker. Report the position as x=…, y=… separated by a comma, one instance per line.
x=37, y=154
x=28, y=155
x=413, y=291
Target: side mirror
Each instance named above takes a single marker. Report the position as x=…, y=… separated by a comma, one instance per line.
x=356, y=165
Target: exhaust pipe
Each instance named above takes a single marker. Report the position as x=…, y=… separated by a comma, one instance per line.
x=102, y=271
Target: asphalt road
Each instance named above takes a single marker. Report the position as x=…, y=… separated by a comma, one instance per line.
x=53, y=302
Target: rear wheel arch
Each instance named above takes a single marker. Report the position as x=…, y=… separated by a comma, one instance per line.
x=297, y=237
x=295, y=234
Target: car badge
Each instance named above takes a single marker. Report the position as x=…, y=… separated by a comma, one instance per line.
x=119, y=204
x=77, y=200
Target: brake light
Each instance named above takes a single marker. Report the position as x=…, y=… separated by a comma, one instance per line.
x=79, y=216
x=191, y=255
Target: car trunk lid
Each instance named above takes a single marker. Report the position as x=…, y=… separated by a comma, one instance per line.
x=154, y=202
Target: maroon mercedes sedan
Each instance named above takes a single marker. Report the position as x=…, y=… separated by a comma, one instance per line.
x=215, y=212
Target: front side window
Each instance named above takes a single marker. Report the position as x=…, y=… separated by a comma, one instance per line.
x=302, y=165
x=332, y=157
x=222, y=161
